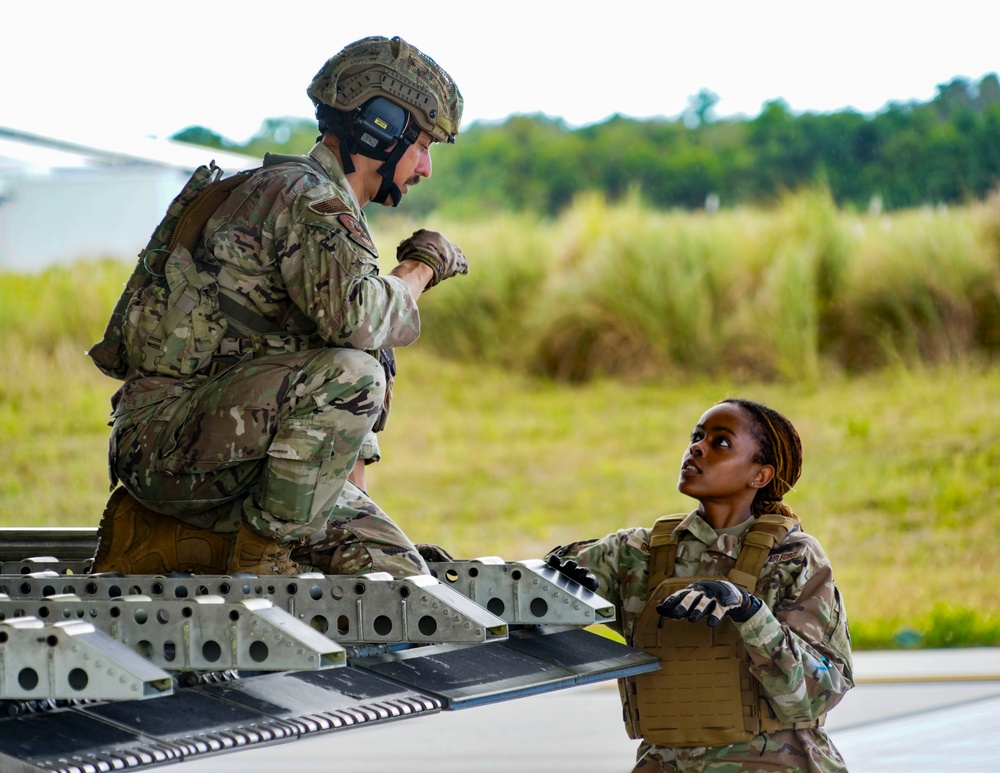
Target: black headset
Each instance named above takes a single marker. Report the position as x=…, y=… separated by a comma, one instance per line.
x=378, y=124
x=379, y=129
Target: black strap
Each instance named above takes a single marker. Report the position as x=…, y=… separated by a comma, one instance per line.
x=388, y=189
x=251, y=319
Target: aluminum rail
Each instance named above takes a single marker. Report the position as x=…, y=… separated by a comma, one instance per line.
x=348, y=609
x=204, y=633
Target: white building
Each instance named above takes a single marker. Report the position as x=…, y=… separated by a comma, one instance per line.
x=61, y=201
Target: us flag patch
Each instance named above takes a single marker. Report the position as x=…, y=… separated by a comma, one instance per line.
x=330, y=206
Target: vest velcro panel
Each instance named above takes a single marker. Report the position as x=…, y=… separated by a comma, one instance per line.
x=703, y=694
x=703, y=691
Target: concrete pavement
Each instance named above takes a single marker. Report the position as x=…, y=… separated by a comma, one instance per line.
x=928, y=711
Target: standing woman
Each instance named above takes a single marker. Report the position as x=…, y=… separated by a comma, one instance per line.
x=738, y=602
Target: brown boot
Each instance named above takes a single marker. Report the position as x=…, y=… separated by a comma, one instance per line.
x=132, y=539
x=256, y=554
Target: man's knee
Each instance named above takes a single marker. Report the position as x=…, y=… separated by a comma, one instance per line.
x=359, y=538
x=343, y=552
x=348, y=365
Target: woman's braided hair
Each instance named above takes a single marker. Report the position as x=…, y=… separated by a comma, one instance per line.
x=779, y=446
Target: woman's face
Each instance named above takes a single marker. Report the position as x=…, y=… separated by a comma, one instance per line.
x=719, y=462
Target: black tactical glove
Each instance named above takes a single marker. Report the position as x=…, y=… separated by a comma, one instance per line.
x=715, y=598
x=575, y=572
x=432, y=249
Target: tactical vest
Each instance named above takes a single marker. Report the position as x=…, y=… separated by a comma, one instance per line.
x=175, y=318
x=703, y=694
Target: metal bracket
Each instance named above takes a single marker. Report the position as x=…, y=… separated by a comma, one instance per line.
x=525, y=592
x=198, y=634
x=72, y=660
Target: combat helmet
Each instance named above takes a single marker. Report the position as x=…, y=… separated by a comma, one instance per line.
x=376, y=95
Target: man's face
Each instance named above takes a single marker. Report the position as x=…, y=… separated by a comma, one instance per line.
x=415, y=163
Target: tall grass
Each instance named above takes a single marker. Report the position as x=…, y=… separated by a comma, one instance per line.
x=484, y=316
x=791, y=293
x=53, y=401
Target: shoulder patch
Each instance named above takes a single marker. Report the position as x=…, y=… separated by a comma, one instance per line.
x=330, y=206
x=357, y=232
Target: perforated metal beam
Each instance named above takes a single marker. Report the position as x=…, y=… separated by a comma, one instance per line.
x=204, y=633
x=72, y=661
x=524, y=592
x=364, y=609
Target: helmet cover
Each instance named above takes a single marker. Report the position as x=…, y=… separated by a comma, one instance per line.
x=376, y=66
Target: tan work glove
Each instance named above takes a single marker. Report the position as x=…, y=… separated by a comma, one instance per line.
x=432, y=249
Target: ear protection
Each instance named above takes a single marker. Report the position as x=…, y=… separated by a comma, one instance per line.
x=378, y=124
x=379, y=129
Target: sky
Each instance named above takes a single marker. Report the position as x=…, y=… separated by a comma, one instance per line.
x=114, y=69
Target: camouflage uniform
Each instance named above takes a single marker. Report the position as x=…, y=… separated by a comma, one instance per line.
x=798, y=640
x=271, y=435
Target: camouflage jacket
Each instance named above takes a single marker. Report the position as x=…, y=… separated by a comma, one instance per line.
x=286, y=237
x=798, y=641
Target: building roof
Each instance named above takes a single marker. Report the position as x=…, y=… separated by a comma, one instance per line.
x=26, y=153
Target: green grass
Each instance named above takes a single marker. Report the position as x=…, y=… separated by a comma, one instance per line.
x=874, y=335
x=901, y=482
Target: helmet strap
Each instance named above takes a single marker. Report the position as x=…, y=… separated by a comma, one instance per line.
x=341, y=125
x=334, y=121
x=388, y=188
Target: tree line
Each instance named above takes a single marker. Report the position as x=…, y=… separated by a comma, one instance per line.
x=944, y=151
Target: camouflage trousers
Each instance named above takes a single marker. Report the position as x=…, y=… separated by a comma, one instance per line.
x=785, y=751
x=359, y=538
x=270, y=441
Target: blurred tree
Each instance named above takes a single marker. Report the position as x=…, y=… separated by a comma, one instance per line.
x=288, y=135
x=782, y=157
x=699, y=108
x=945, y=150
x=954, y=96
x=988, y=92
x=199, y=135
